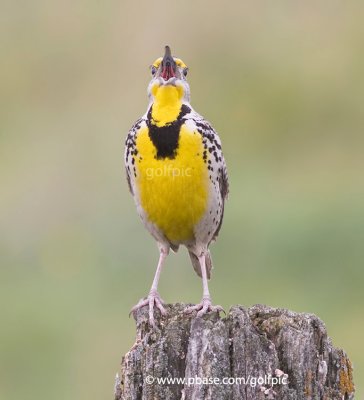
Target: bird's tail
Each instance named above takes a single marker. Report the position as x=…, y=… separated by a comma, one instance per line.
x=196, y=264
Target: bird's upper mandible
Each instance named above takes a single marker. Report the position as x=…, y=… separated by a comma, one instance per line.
x=168, y=67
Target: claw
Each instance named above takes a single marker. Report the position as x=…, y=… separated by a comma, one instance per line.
x=153, y=300
x=204, y=307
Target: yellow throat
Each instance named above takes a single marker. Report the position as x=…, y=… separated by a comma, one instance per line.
x=167, y=103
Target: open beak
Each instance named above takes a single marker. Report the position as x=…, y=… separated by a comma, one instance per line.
x=169, y=66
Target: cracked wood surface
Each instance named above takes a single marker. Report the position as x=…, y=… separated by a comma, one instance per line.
x=258, y=345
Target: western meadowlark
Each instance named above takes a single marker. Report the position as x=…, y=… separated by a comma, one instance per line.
x=177, y=175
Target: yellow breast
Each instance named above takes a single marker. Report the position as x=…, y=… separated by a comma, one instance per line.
x=173, y=192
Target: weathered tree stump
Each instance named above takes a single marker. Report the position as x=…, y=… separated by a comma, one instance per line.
x=253, y=353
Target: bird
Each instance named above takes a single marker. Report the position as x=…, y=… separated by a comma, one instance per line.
x=177, y=175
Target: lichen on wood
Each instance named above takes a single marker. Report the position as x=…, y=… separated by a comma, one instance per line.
x=256, y=353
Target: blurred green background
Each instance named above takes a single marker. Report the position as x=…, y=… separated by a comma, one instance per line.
x=282, y=82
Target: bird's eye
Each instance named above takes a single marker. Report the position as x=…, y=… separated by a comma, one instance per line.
x=153, y=70
x=185, y=71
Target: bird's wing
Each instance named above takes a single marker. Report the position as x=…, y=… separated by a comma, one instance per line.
x=219, y=170
x=130, y=152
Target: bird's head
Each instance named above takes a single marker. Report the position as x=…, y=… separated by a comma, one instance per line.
x=169, y=75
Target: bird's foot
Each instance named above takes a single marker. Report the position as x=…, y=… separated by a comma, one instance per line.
x=153, y=300
x=204, y=307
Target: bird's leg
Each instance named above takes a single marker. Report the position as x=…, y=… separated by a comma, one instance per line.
x=153, y=298
x=206, y=304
